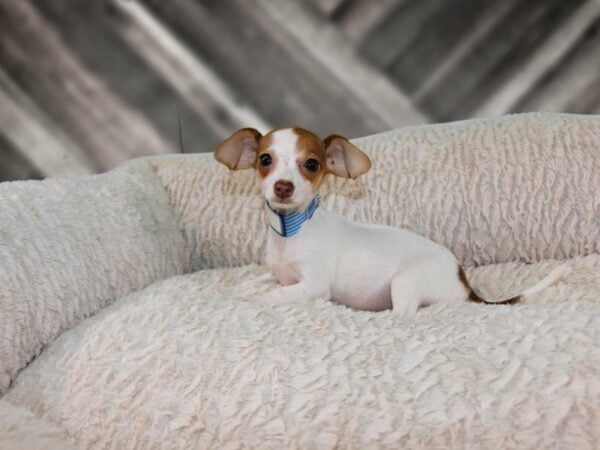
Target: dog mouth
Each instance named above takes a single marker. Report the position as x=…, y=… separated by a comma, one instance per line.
x=282, y=203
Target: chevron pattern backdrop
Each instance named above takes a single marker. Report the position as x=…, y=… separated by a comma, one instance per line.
x=87, y=85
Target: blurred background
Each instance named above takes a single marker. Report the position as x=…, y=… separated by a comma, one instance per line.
x=85, y=85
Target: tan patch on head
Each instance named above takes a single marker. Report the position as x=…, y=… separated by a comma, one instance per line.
x=264, y=144
x=310, y=146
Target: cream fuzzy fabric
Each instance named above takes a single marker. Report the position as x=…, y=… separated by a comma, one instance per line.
x=69, y=247
x=181, y=364
x=21, y=430
x=523, y=187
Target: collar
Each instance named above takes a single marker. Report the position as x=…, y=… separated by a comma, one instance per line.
x=289, y=224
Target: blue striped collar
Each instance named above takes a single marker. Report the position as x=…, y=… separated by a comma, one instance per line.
x=289, y=224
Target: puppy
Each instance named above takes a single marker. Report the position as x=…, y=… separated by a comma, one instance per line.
x=315, y=254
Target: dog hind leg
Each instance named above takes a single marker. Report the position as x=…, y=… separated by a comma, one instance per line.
x=425, y=282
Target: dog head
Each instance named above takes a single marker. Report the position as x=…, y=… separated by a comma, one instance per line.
x=291, y=162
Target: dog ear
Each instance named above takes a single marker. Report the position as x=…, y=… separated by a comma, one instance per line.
x=345, y=159
x=238, y=151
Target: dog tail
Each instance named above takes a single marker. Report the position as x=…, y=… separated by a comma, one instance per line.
x=547, y=281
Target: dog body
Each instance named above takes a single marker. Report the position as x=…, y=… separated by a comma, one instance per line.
x=363, y=266
x=316, y=254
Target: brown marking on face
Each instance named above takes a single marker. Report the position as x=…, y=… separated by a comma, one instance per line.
x=264, y=145
x=473, y=297
x=310, y=146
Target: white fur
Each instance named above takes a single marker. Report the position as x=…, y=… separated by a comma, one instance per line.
x=368, y=267
x=363, y=266
x=284, y=151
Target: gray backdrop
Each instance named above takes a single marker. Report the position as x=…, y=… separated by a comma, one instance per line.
x=85, y=85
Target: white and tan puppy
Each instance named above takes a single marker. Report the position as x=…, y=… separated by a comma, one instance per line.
x=316, y=254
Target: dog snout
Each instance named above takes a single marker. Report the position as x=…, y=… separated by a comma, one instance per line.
x=283, y=189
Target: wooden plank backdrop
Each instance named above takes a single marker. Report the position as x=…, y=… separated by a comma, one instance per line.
x=87, y=85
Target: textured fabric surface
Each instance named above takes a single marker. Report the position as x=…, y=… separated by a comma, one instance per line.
x=182, y=365
x=21, y=430
x=69, y=247
x=185, y=363
x=523, y=187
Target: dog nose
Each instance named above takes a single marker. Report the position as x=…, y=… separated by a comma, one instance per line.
x=283, y=189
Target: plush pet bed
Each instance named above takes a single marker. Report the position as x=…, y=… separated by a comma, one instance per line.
x=159, y=251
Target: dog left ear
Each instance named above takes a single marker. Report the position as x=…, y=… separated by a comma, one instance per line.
x=238, y=151
x=345, y=159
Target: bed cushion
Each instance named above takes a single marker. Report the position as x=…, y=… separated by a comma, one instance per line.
x=182, y=364
x=70, y=246
x=524, y=187
x=21, y=429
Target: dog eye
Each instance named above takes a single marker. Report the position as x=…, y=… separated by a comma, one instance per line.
x=265, y=160
x=311, y=165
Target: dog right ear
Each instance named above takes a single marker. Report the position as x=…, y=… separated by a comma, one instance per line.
x=238, y=151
